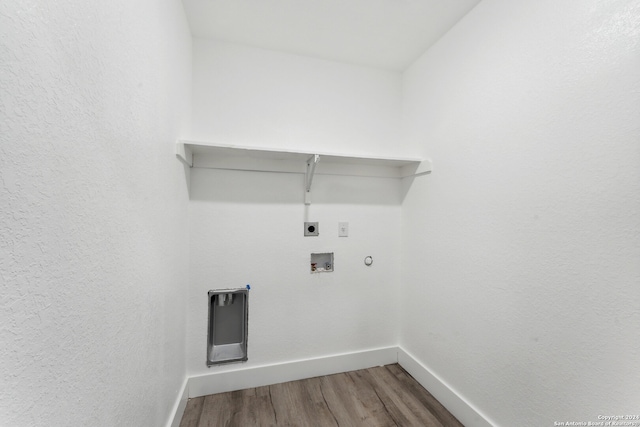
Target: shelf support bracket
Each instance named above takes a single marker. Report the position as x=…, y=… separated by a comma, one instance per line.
x=184, y=154
x=312, y=162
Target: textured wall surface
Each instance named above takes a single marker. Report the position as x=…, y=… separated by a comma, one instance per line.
x=521, y=252
x=93, y=208
x=247, y=228
x=251, y=96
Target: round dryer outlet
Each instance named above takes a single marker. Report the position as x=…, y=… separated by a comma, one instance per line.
x=311, y=229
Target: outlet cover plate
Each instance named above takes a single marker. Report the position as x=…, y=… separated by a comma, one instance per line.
x=343, y=229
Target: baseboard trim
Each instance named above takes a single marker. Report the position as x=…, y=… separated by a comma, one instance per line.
x=258, y=376
x=178, y=408
x=464, y=411
x=220, y=382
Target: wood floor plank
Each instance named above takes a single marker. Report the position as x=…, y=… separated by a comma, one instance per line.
x=384, y=396
x=254, y=409
x=431, y=403
x=353, y=402
x=404, y=408
x=192, y=412
x=300, y=403
x=217, y=410
x=250, y=407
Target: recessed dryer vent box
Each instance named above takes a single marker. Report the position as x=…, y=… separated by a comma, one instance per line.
x=322, y=263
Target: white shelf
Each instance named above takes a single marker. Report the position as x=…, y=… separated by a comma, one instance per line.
x=215, y=156
x=206, y=155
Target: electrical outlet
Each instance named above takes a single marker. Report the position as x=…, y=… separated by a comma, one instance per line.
x=311, y=229
x=343, y=229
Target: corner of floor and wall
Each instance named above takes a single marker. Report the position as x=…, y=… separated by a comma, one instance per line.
x=505, y=281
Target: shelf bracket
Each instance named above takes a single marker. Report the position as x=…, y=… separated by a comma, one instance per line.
x=312, y=162
x=184, y=154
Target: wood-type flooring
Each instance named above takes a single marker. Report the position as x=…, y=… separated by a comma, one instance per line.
x=383, y=396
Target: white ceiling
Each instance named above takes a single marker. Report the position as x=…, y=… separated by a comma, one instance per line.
x=388, y=34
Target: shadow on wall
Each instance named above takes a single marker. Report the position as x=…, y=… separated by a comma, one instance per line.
x=288, y=188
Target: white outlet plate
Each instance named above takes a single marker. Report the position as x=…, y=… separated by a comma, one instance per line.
x=343, y=229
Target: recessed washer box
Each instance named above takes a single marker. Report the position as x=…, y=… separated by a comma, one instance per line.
x=322, y=262
x=228, y=320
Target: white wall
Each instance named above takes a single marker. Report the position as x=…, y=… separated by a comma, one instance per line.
x=247, y=228
x=249, y=96
x=521, y=251
x=93, y=211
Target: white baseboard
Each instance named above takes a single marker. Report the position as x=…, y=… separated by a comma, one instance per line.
x=179, y=406
x=220, y=382
x=289, y=371
x=465, y=412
